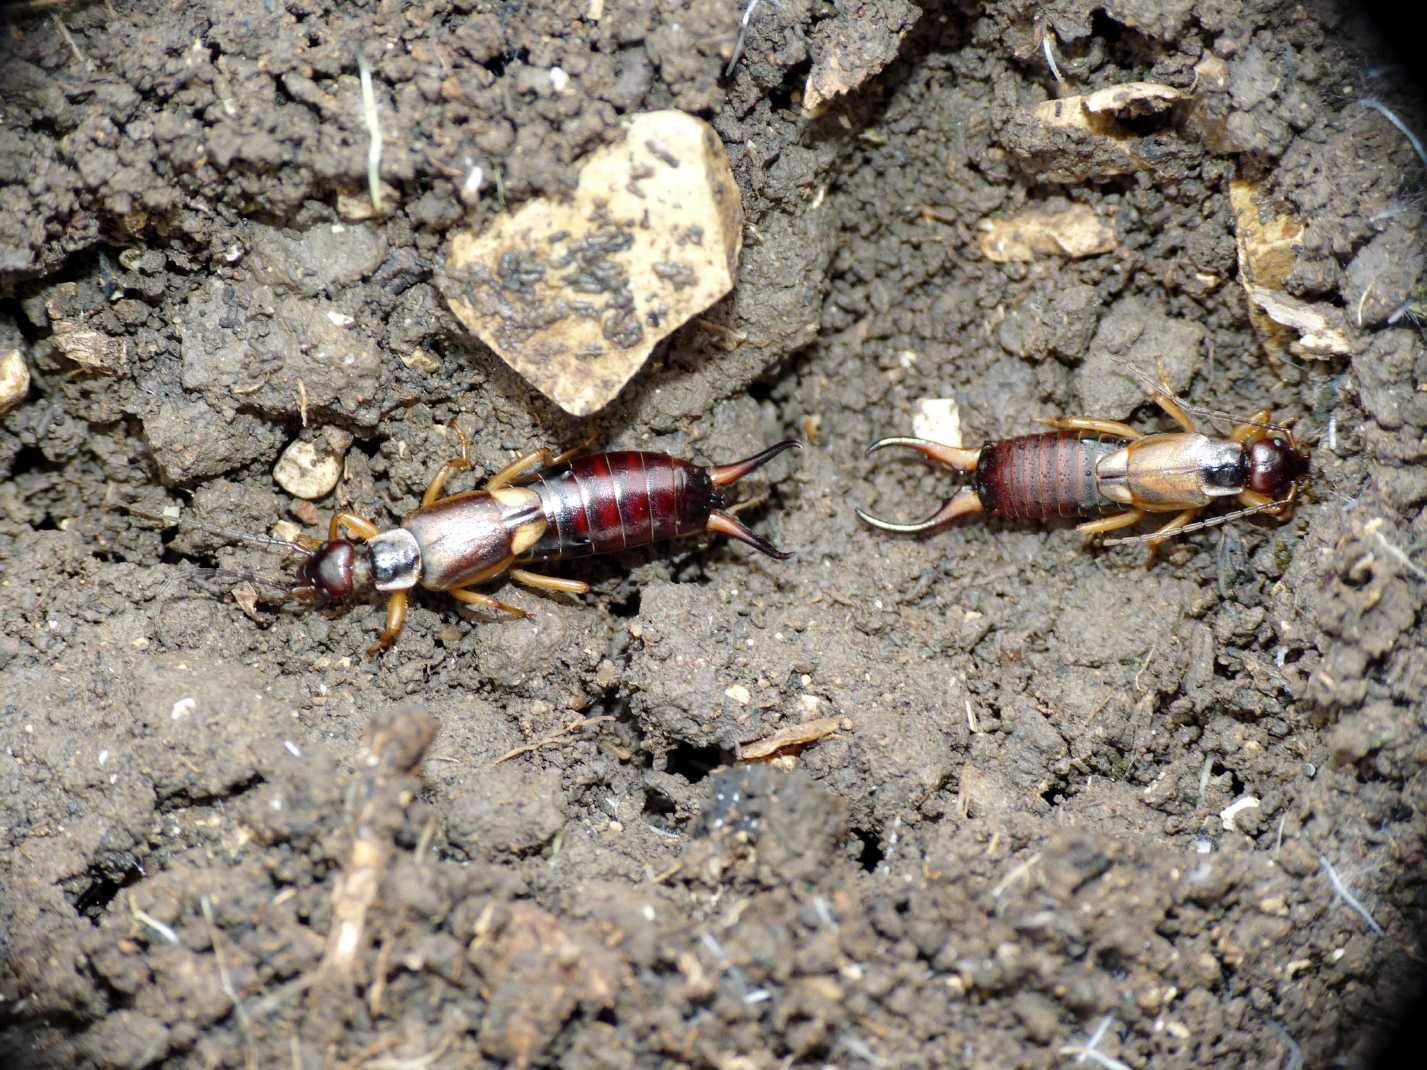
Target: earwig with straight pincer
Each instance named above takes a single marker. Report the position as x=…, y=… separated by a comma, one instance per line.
x=539, y=508
x=1088, y=465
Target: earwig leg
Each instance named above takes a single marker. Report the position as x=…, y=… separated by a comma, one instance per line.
x=720, y=523
x=548, y=583
x=1280, y=510
x=475, y=598
x=1167, y=532
x=954, y=457
x=395, y=621
x=1111, y=523
x=723, y=474
x=1165, y=399
x=1113, y=428
x=355, y=525
x=490, y=572
x=1177, y=414
x=535, y=460
x=1174, y=525
x=447, y=470
x=964, y=503
x=1252, y=429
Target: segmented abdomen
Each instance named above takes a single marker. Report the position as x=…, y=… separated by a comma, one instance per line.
x=608, y=502
x=1034, y=477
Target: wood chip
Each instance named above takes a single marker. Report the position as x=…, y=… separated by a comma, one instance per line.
x=798, y=735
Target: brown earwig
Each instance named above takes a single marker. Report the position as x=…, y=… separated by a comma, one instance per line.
x=539, y=508
x=1069, y=472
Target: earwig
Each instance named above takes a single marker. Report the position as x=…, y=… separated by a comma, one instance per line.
x=1087, y=465
x=539, y=508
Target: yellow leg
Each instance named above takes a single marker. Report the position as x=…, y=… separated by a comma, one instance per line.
x=548, y=583
x=1111, y=523
x=355, y=525
x=1252, y=499
x=1251, y=431
x=1164, y=398
x=1168, y=530
x=1174, y=525
x=447, y=470
x=475, y=598
x=1113, y=428
x=395, y=621
x=532, y=461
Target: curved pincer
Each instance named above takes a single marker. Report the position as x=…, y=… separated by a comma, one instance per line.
x=966, y=502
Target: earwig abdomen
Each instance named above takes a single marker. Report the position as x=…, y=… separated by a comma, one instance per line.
x=1035, y=477
x=609, y=502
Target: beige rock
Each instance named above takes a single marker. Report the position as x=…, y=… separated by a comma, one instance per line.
x=308, y=469
x=1317, y=330
x=1093, y=111
x=355, y=205
x=574, y=293
x=1075, y=232
x=1097, y=136
x=1268, y=235
x=937, y=420
x=14, y=380
x=94, y=352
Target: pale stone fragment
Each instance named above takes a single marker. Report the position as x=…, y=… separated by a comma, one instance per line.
x=937, y=420
x=93, y=351
x=574, y=292
x=1092, y=111
x=1319, y=328
x=355, y=205
x=1267, y=234
x=308, y=470
x=1103, y=139
x=14, y=380
x=1074, y=233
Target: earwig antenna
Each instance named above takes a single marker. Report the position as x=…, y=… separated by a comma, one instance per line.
x=231, y=575
x=222, y=533
x=1195, y=410
x=1199, y=525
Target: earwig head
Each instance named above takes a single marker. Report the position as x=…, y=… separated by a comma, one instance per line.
x=1276, y=464
x=334, y=571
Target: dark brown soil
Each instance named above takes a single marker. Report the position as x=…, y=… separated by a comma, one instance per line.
x=1027, y=825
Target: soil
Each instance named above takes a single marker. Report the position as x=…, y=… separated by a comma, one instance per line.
x=1072, y=801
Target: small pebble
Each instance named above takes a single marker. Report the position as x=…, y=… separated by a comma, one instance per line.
x=306, y=470
x=14, y=380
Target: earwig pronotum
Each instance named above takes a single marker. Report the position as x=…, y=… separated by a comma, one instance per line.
x=1069, y=472
x=540, y=507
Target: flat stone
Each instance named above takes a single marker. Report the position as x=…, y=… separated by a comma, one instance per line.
x=574, y=293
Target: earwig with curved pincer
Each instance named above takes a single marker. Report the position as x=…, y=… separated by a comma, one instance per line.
x=539, y=508
x=1089, y=465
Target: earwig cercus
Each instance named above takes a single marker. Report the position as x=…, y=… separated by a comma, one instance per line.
x=538, y=508
x=1086, y=465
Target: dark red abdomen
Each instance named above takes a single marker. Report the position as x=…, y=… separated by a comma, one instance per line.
x=608, y=502
x=1034, y=477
